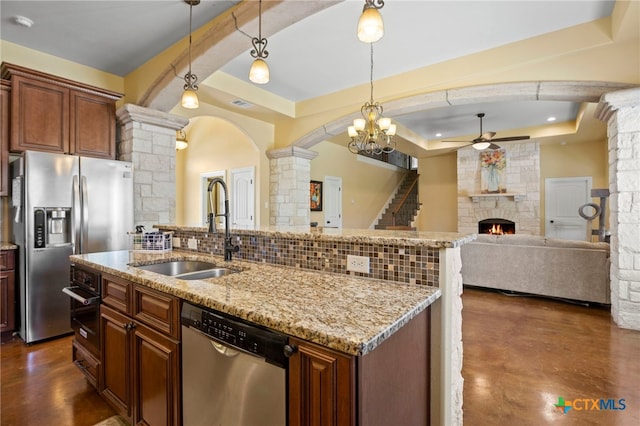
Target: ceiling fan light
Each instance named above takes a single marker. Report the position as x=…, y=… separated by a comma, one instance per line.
x=259, y=72
x=352, y=132
x=370, y=25
x=190, y=99
x=359, y=124
x=481, y=145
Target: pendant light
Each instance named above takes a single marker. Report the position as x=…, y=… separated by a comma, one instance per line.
x=370, y=25
x=181, y=140
x=189, y=96
x=259, y=72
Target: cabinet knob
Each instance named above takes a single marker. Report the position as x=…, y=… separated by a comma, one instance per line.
x=289, y=350
x=129, y=326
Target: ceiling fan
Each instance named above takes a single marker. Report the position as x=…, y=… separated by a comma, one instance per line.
x=486, y=140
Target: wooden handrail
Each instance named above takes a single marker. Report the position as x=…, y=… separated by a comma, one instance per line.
x=404, y=198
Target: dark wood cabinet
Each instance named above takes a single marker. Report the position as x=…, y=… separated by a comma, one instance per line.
x=53, y=114
x=5, y=95
x=7, y=292
x=321, y=386
x=387, y=386
x=141, y=352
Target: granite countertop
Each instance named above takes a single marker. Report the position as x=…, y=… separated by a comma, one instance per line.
x=349, y=314
x=374, y=236
x=4, y=245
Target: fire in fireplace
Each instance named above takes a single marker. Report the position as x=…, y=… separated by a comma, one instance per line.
x=496, y=226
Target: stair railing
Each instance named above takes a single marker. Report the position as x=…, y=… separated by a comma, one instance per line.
x=402, y=201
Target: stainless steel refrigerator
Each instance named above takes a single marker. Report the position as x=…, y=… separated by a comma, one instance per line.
x=63, y=205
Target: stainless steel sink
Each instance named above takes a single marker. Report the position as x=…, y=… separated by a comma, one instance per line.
x=188, y=269
x=210, y=273
x=178, y=267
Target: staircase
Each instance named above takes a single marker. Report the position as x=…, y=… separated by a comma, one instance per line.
x=404, y=206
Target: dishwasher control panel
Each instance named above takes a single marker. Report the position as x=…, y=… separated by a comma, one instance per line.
x=236, y=333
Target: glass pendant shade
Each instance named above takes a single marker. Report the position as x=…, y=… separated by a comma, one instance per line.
x=352, y=132
x=190, y=99
x=259, y=72
x=481, y=145
x=392, y=130
x=384, y=123
x=359, y=124
x=370, y=26
x=181, y=144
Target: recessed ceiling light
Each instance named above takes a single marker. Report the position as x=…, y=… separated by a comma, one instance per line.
x=23, y=21
x=438, y=135
x=551, y=119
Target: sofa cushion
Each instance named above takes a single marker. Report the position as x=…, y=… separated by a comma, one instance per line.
x=556, y=242
x=521, y=240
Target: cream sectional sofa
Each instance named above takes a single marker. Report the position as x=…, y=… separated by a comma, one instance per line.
x=577, y=270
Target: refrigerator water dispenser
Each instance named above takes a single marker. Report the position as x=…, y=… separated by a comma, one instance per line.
x=52, y=226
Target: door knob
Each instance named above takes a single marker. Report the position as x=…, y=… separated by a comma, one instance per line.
x=551, y=221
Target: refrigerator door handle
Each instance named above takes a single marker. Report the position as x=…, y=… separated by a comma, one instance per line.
x=85, y=215
x=75, y=238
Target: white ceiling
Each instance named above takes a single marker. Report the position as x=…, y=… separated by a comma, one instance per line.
x=320, y=54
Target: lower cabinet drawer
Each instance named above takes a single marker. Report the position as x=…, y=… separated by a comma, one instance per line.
x=87, y=363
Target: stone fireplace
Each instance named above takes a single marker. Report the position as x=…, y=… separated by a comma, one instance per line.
x=520, y=203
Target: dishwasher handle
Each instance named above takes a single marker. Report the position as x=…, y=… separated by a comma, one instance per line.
x=85, y=301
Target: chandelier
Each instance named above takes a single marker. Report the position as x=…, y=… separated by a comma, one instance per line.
x=372, y=134
x=189, y=96
x=259, y=72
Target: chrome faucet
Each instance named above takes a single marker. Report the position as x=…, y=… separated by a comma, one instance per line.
x=229, y=247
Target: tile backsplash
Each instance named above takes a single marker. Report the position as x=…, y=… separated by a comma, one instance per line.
x=399, y=263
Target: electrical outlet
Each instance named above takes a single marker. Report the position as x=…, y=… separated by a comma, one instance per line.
x=176, y=242
x=192, y=243
x=358, y=264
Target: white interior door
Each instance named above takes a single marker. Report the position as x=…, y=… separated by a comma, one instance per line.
x=242, y=198
x=563, y=198
x=332, y=202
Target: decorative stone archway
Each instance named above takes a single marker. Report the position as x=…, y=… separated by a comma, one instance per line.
x=562, y=91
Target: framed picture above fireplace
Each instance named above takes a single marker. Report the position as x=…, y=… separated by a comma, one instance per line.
x=493, y=164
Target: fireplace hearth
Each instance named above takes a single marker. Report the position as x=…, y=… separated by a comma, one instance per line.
x=496, y=226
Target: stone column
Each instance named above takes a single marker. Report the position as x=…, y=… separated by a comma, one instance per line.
x=148, y=139
x=447, y=382
x=621, y=111
x=290, y=173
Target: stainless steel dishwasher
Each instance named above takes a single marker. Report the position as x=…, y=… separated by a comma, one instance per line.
x=233, y=372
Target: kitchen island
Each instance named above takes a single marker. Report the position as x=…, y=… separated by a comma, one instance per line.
x=349, y=314
x=322, y=302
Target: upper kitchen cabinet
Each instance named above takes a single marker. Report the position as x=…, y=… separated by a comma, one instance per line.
x=5, y=93
x=53, y=114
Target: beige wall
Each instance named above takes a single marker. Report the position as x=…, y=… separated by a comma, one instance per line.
x=365, y=187
x=438, y=193
x=215, y=144
x=573, y=160
x=260, y=133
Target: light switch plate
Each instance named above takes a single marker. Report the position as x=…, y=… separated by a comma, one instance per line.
x=358, y=264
